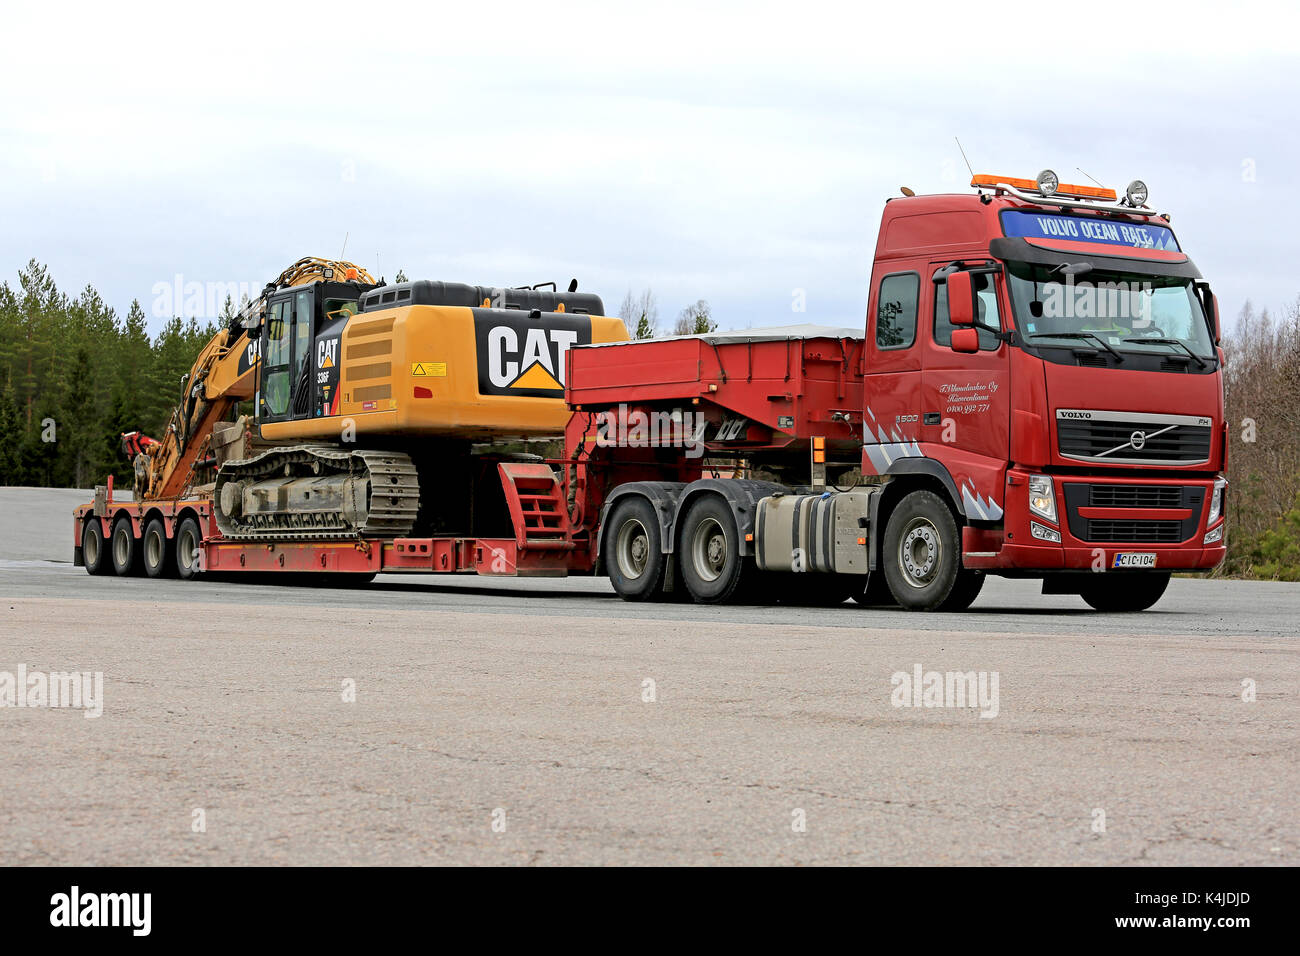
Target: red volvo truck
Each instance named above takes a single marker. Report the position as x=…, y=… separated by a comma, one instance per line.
x=1036, y=393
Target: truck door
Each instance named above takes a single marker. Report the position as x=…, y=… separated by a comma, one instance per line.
x=891, y=394
x=965, y=396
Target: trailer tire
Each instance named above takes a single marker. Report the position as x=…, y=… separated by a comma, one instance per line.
x=156, y=550
x=189, y=537
x=94, y=549
x=635, y=560
x=1124, y=592
x=124, y=548
x=709, y=549
x=922, y=552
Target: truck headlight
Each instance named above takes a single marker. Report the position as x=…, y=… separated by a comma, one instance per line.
x=1213, y=536
x=1042, y=499
x=1216, y=501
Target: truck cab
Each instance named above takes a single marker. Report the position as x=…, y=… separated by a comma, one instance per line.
x=1045, y=360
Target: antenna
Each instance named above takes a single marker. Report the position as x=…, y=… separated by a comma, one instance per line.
x=1093, y=178
x=343, y=254
x=964, y=159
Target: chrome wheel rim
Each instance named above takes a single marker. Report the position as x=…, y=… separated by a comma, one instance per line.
x=186, y=550
x=709, y=549
x=920, y=552
x=632, y=549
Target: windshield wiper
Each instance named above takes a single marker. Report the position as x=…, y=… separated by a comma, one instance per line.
x=1077, y=335
x=1178, y=342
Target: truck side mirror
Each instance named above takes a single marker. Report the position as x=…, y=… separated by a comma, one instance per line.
x=965, y=340
x=961, y=299
x=1214, y=317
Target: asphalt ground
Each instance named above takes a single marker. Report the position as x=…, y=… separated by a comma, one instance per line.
x=471, y=720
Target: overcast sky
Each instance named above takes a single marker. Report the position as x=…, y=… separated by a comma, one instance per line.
x=734, y=153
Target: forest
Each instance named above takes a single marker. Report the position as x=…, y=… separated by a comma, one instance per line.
x=74, y=375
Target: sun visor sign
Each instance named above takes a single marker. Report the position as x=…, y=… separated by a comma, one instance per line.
x=1018, y=223
x=522, y=356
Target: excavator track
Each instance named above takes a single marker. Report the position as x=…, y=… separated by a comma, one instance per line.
x=317, y=493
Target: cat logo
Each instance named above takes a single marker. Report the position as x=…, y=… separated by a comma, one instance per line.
x=518, y=355
x=327, y=352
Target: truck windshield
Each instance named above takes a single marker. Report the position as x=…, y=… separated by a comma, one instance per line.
x=1129, y=313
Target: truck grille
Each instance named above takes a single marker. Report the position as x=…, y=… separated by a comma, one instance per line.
x=1138, y=529
x=1118, y=437
x=1135, y=496
x=1141, y=532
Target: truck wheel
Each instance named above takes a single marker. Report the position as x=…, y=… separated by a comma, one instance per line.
x=94, y=549
x=1124, y=592
x=964, y=591
x=921, y=555
x=157, y=550
x=635, y=558
x=709, y=548
x=186, y=548
x=124, y=548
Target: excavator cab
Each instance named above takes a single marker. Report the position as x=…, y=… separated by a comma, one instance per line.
x=298, y=375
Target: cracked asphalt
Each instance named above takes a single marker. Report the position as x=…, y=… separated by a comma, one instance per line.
x=421, y=720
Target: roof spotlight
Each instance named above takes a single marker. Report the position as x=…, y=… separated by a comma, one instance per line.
x=1047, y=182
x=1136, y=193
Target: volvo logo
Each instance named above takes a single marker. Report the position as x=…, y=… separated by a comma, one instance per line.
x=1137, y=440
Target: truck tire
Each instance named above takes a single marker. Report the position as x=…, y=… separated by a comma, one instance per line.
x=124, y=548
x=922, y=553
x=964, y=591
x=709, y=550
x=634, y=554
x=94, y=549
x=156, y=550
x=1124, y=592
x=185, y=548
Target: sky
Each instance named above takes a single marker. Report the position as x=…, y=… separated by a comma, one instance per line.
x=738, y=153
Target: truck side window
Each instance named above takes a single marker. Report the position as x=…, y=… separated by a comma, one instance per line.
x=986, y=311
x=896, y=310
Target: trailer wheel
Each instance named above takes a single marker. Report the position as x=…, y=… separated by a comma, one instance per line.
x=124, y=548
x=186, y=548
x=1124, y=592
x=94, y=549
x=709, y=548
x=921, y=554
x=157, y=550
x=635, y=559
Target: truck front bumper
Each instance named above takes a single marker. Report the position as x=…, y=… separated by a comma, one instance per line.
x=1098, y=519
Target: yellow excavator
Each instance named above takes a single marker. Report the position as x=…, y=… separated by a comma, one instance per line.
x=372, y=403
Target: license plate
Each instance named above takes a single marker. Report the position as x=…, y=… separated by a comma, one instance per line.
x=1134, y=559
